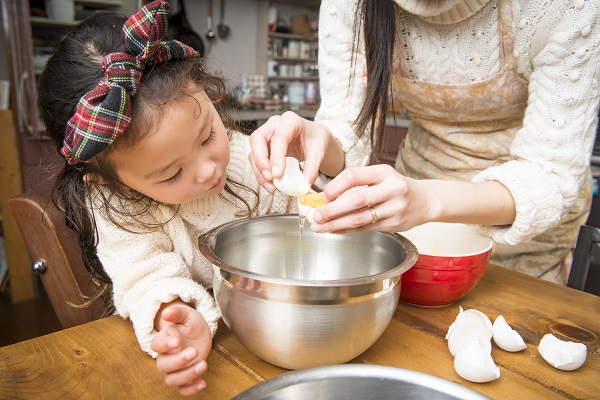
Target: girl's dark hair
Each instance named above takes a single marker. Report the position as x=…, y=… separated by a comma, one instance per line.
x=73, y=70
x=377, y=20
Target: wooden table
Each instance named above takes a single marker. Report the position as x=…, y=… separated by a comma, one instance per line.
x=102, y=359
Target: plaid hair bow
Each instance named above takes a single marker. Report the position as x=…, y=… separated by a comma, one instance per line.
x=104, y=112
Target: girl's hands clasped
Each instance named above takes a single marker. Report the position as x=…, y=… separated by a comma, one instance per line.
x=182, y=343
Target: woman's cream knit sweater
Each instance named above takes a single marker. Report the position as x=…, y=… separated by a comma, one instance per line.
x=557, y=47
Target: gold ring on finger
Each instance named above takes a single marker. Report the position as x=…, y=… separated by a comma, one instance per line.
x=373, y=214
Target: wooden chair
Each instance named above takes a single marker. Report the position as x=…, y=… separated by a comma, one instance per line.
x=57, y=259
x=585, y=270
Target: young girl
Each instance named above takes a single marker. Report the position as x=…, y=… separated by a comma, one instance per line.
x=150, y=166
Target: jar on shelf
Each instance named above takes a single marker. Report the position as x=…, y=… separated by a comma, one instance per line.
x=298, y=70
x=296, y=94
x=275, y=47
x=294, y=49
x=272, y=68
x=305, y=50
x=310, y=92
x=62, y=10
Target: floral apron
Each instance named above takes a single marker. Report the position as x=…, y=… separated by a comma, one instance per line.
x=460, y=130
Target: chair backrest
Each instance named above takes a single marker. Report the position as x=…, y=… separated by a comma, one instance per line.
x=585, y=270
x=57, y=259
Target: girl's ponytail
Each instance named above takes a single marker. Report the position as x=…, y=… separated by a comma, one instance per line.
x=69, y=195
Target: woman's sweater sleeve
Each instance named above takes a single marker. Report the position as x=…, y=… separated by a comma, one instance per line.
x=558, y=50
x=341, y=83
x=146, y=273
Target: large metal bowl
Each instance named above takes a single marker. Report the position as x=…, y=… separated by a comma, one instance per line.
x=298, y=299
x=358, y=382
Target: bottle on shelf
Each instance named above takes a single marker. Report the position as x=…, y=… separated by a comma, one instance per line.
x=296, y=94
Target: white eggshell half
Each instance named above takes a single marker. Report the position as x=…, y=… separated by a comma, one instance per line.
x=292, y=182
x=459, y=320
x=306, y=212
x=507, y=338
x=563, y=355
x=484, y=319
x=464, y=334
x=472, y=317
x=475, y=364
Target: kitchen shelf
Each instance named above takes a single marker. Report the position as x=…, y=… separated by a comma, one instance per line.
x=294, y=59
x=291, y=36
x=293, y=78
x=301, y=3
x=99, y=3
x=30, y=37
x=275, y=49
x=42, y=22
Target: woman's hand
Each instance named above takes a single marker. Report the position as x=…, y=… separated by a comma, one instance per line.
x=378, y=198
x=373, y=198
x=291, y=135
x=183, y=342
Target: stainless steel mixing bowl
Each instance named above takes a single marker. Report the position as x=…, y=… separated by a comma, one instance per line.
x=298, y=299
x=358, y=382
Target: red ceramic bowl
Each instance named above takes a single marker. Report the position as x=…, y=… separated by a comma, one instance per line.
x=452, y=259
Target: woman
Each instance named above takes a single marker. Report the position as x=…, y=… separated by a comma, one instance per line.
x=503, y=98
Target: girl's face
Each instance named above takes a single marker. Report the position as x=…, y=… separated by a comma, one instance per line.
x=185, y=158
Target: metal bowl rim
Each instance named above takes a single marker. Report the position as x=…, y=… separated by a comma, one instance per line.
x=425, y=380
x=405, y=265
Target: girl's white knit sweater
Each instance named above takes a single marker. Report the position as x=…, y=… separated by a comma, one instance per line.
x=160, y=265
x=557, y=47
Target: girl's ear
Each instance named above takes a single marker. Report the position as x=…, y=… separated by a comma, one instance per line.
x=93, y=178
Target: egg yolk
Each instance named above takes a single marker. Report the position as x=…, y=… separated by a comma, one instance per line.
x=312, y=199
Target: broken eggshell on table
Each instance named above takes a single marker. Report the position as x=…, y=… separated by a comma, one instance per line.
x=469, y=341
x=566, y=356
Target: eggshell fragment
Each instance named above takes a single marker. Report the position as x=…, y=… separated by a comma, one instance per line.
x=459, y=320
x=484, y=319
x=563, y=355
x=292, y=182
x=507, y=338
x=475, y=364
x=472, y=316
x=306, y=212
x=465, y=334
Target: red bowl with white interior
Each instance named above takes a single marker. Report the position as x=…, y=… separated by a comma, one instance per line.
x=452, y=259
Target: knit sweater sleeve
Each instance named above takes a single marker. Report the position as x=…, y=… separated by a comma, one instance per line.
x=341, y=93
x=146, y=272
x=557, y=45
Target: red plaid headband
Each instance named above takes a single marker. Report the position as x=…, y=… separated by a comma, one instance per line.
x=104, y=113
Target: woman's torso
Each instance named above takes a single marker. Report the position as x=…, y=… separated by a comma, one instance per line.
x=465, y=112
x=464, y=126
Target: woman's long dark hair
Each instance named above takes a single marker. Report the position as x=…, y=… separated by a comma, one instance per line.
x=377, y=20
x=73, y=70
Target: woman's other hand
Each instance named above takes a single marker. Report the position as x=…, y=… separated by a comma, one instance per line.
x=182, y=343
x=291, y=135
x=373, y=198
x=382, y=199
